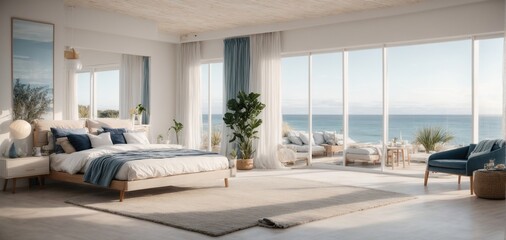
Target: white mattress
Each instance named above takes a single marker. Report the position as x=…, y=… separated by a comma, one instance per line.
x=139, y=169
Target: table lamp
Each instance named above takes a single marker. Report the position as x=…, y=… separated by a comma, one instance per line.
x=19, y=129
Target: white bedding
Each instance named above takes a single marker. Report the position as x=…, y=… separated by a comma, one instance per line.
x=140, y=169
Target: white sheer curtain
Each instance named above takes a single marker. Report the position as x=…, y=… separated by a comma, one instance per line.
x=130, y=84
x=265, y=51
x=188, y=94
x=72, y=112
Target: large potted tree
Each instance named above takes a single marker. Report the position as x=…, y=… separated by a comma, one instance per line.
x=241, y=118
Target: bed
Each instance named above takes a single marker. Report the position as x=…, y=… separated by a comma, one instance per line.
x=151, y=172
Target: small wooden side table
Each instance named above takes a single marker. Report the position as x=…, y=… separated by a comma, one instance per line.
x=331, y=149
x=24, y=167
x=490, y=184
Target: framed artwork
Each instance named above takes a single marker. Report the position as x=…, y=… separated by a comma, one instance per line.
x=32, y=69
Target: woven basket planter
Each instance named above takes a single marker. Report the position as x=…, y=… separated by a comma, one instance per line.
x=245, y=164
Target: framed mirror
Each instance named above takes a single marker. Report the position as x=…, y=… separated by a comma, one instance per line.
x=32, y=69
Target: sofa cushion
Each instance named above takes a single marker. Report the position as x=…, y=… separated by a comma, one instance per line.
x=362, y=151
x=318, y=138
x=294, y=138
x=305, y=148
x=449, y=163
x=304, y=137
x=330, y=137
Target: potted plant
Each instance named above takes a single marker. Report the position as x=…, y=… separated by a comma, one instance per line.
x=137, y=113
x=242, y=119
x=430, y=137
x=178, y=127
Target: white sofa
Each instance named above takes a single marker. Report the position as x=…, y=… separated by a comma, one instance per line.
x=299, y=142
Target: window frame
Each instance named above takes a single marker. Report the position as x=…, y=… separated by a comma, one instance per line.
x=93, y=70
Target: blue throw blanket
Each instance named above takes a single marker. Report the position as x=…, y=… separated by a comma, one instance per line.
x=103, y=169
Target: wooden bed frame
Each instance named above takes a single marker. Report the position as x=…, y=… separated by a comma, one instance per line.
x=127, y=186
x=41, y=127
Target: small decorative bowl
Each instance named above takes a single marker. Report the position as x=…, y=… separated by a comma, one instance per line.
x=500, y=167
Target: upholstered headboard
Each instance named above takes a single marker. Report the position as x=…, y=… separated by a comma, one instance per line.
x=41, y=127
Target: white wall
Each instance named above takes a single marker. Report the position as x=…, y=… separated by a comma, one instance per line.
x=94, y=58
x=443, y=23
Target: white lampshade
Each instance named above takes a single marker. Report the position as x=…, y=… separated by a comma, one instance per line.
x=20, y=129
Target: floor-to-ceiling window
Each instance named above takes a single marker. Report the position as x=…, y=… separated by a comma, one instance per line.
x=294, y=101
x=212, y=105
x=98, y=93
x=365, y=101
x=490, y=88
x=327, y=103
x=430, y=87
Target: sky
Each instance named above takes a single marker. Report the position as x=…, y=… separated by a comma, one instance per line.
x=107, y=85
x=430, y=78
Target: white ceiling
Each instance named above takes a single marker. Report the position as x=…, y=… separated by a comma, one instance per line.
x=196, y=16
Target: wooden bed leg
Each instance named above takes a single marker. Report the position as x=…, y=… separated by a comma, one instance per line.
x=226, y=182
x=121, y=195
x=459, y=179
x=5, y=184
x=426, y=177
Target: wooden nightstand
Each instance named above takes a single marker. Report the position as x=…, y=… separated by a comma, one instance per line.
x=25, y=167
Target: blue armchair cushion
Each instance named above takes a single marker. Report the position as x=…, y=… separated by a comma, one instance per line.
x=449, y=163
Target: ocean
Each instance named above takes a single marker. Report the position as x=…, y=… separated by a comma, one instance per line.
x=369, y=128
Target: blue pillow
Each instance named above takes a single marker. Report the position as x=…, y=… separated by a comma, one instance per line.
x=63, y=132
x=79, y=141
x=116, y=135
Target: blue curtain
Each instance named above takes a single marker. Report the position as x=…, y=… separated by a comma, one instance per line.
x=236, y=67
x=145, y=89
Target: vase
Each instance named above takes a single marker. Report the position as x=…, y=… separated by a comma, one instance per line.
x=137, y=119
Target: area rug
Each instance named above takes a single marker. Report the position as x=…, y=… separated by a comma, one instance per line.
x=275, y=202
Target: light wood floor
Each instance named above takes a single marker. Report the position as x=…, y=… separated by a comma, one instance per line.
x=443, y=210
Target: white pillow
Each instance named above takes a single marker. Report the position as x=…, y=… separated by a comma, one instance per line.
x=304, y=137
x=103, y=139
x=330, y=137
x=293, y=136
x=136, y=138
x=318, y=138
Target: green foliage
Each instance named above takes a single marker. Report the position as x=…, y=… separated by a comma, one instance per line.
x=30, y=102
x=241, y=118
x=246, y=149
x=108, y=113
x=178, y=127
x=84, y=112
x=233, y=154
x=139, y=109
x=429, y=137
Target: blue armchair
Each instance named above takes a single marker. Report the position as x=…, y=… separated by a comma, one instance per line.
x=456, y=161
